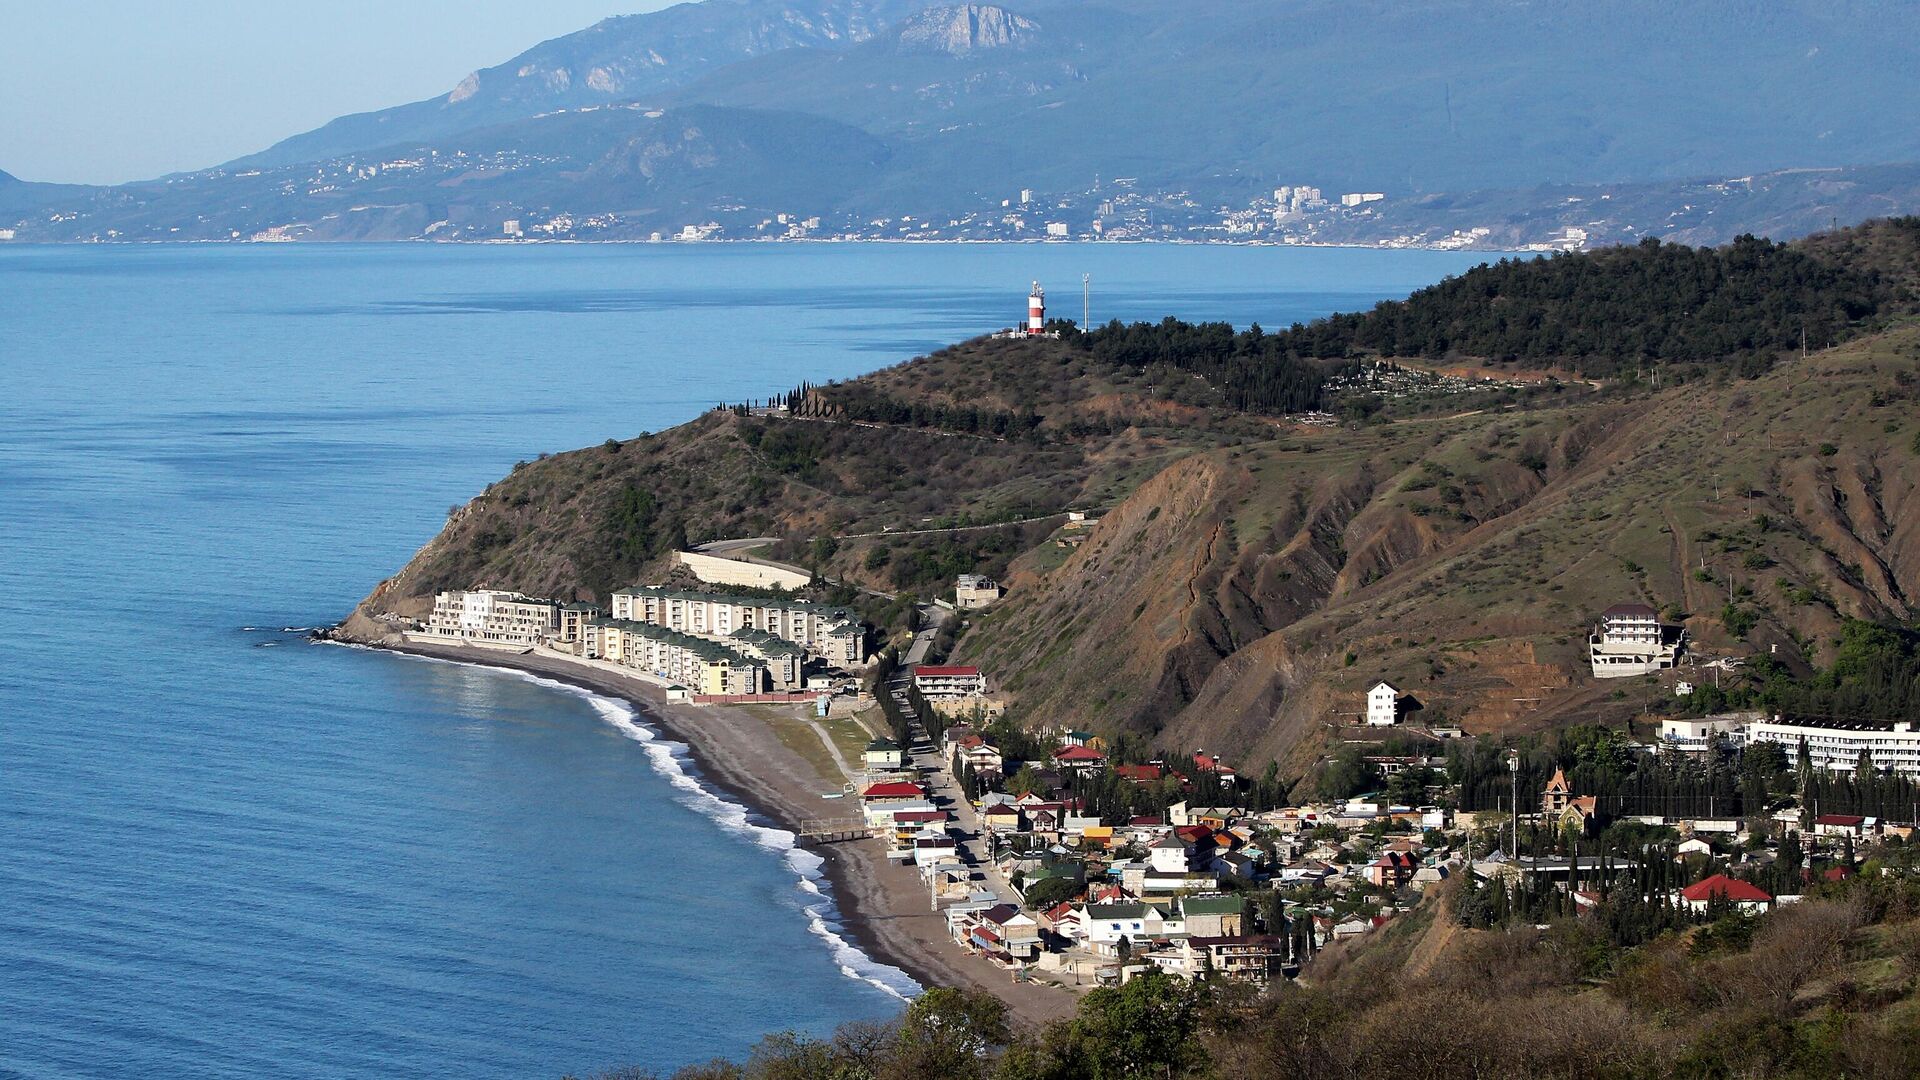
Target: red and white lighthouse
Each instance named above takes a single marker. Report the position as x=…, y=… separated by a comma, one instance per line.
x=1036, y=311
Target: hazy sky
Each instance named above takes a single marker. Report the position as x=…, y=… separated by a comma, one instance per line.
x=103, y=91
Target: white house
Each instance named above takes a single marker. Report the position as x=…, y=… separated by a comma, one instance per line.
x=1105, y=925
x=1383, y=704
x=884, y=754
x=1697, y=735
x=949, y=682
x=1168, y=855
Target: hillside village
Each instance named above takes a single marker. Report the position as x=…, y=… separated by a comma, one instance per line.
x=1054, y=855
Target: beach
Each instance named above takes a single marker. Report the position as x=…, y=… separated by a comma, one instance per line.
x=883, y=906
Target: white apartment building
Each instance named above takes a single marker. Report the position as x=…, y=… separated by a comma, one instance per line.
x=1835, y=745
x=830, y=633
x=1631, y=640
x=494, y=617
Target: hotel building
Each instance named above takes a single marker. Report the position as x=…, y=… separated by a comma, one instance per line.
x=493, y=617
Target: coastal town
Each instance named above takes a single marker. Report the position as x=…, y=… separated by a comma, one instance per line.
x=1049, y=859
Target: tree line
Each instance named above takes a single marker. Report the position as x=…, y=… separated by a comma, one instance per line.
x=1612, y=311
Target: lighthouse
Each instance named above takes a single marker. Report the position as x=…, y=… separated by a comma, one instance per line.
x=1036, y=311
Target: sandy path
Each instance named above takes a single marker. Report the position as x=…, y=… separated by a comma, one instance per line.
x=884, y=906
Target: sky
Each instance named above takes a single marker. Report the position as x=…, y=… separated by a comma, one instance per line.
x=105, y=91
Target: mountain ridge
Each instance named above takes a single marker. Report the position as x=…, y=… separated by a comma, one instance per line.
x=1001, y=120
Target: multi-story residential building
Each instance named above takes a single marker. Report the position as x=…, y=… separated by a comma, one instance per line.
x=1631, y=640
x=702, y=666
x=1836, y=744
x=574, y=618
x=831, y=633
x=938, y=683
x=785, y=662
x=494, y=617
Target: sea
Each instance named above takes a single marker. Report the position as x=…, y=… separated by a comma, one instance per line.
x=227, y=852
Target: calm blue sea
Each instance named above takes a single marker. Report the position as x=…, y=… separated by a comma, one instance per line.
x=224, y=852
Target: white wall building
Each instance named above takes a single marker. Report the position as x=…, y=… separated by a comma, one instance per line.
x=1696, y=735
x=1836, y=744
x=948, y=682
x=1383, y=704
x=831, y=633
x=494, y=617
x=1631, y=640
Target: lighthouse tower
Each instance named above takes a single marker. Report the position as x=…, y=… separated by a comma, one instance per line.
x=1036, y=311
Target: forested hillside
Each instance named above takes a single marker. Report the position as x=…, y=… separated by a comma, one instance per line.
x=1624, y=309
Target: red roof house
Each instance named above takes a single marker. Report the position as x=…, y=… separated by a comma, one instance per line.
x=1744, y=894
x=894, y=789
x=1078, y=757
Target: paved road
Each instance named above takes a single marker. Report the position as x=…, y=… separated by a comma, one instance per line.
x=937, y=617
x=944, y=790
x=954, y=529
x=721, y=547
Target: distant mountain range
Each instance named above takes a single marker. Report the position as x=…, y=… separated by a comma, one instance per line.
x=904, y=118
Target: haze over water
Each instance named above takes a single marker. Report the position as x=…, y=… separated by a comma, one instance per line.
x=224, y=852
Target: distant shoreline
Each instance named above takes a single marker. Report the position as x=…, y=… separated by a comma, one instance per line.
x=764, y=241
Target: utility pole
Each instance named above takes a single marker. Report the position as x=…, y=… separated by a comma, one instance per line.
x=1513, y=766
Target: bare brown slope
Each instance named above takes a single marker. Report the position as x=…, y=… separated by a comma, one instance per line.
x=1463, y=558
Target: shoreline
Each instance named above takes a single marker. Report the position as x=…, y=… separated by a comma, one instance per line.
x=878, y=908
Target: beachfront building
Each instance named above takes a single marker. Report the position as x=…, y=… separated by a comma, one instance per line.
x=492, y=616
x=785, y=662
x=574, y=618
x=1836, y=744
x=974, y=591
x=705, y=667
x=830, y=633
x=1631, y=640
